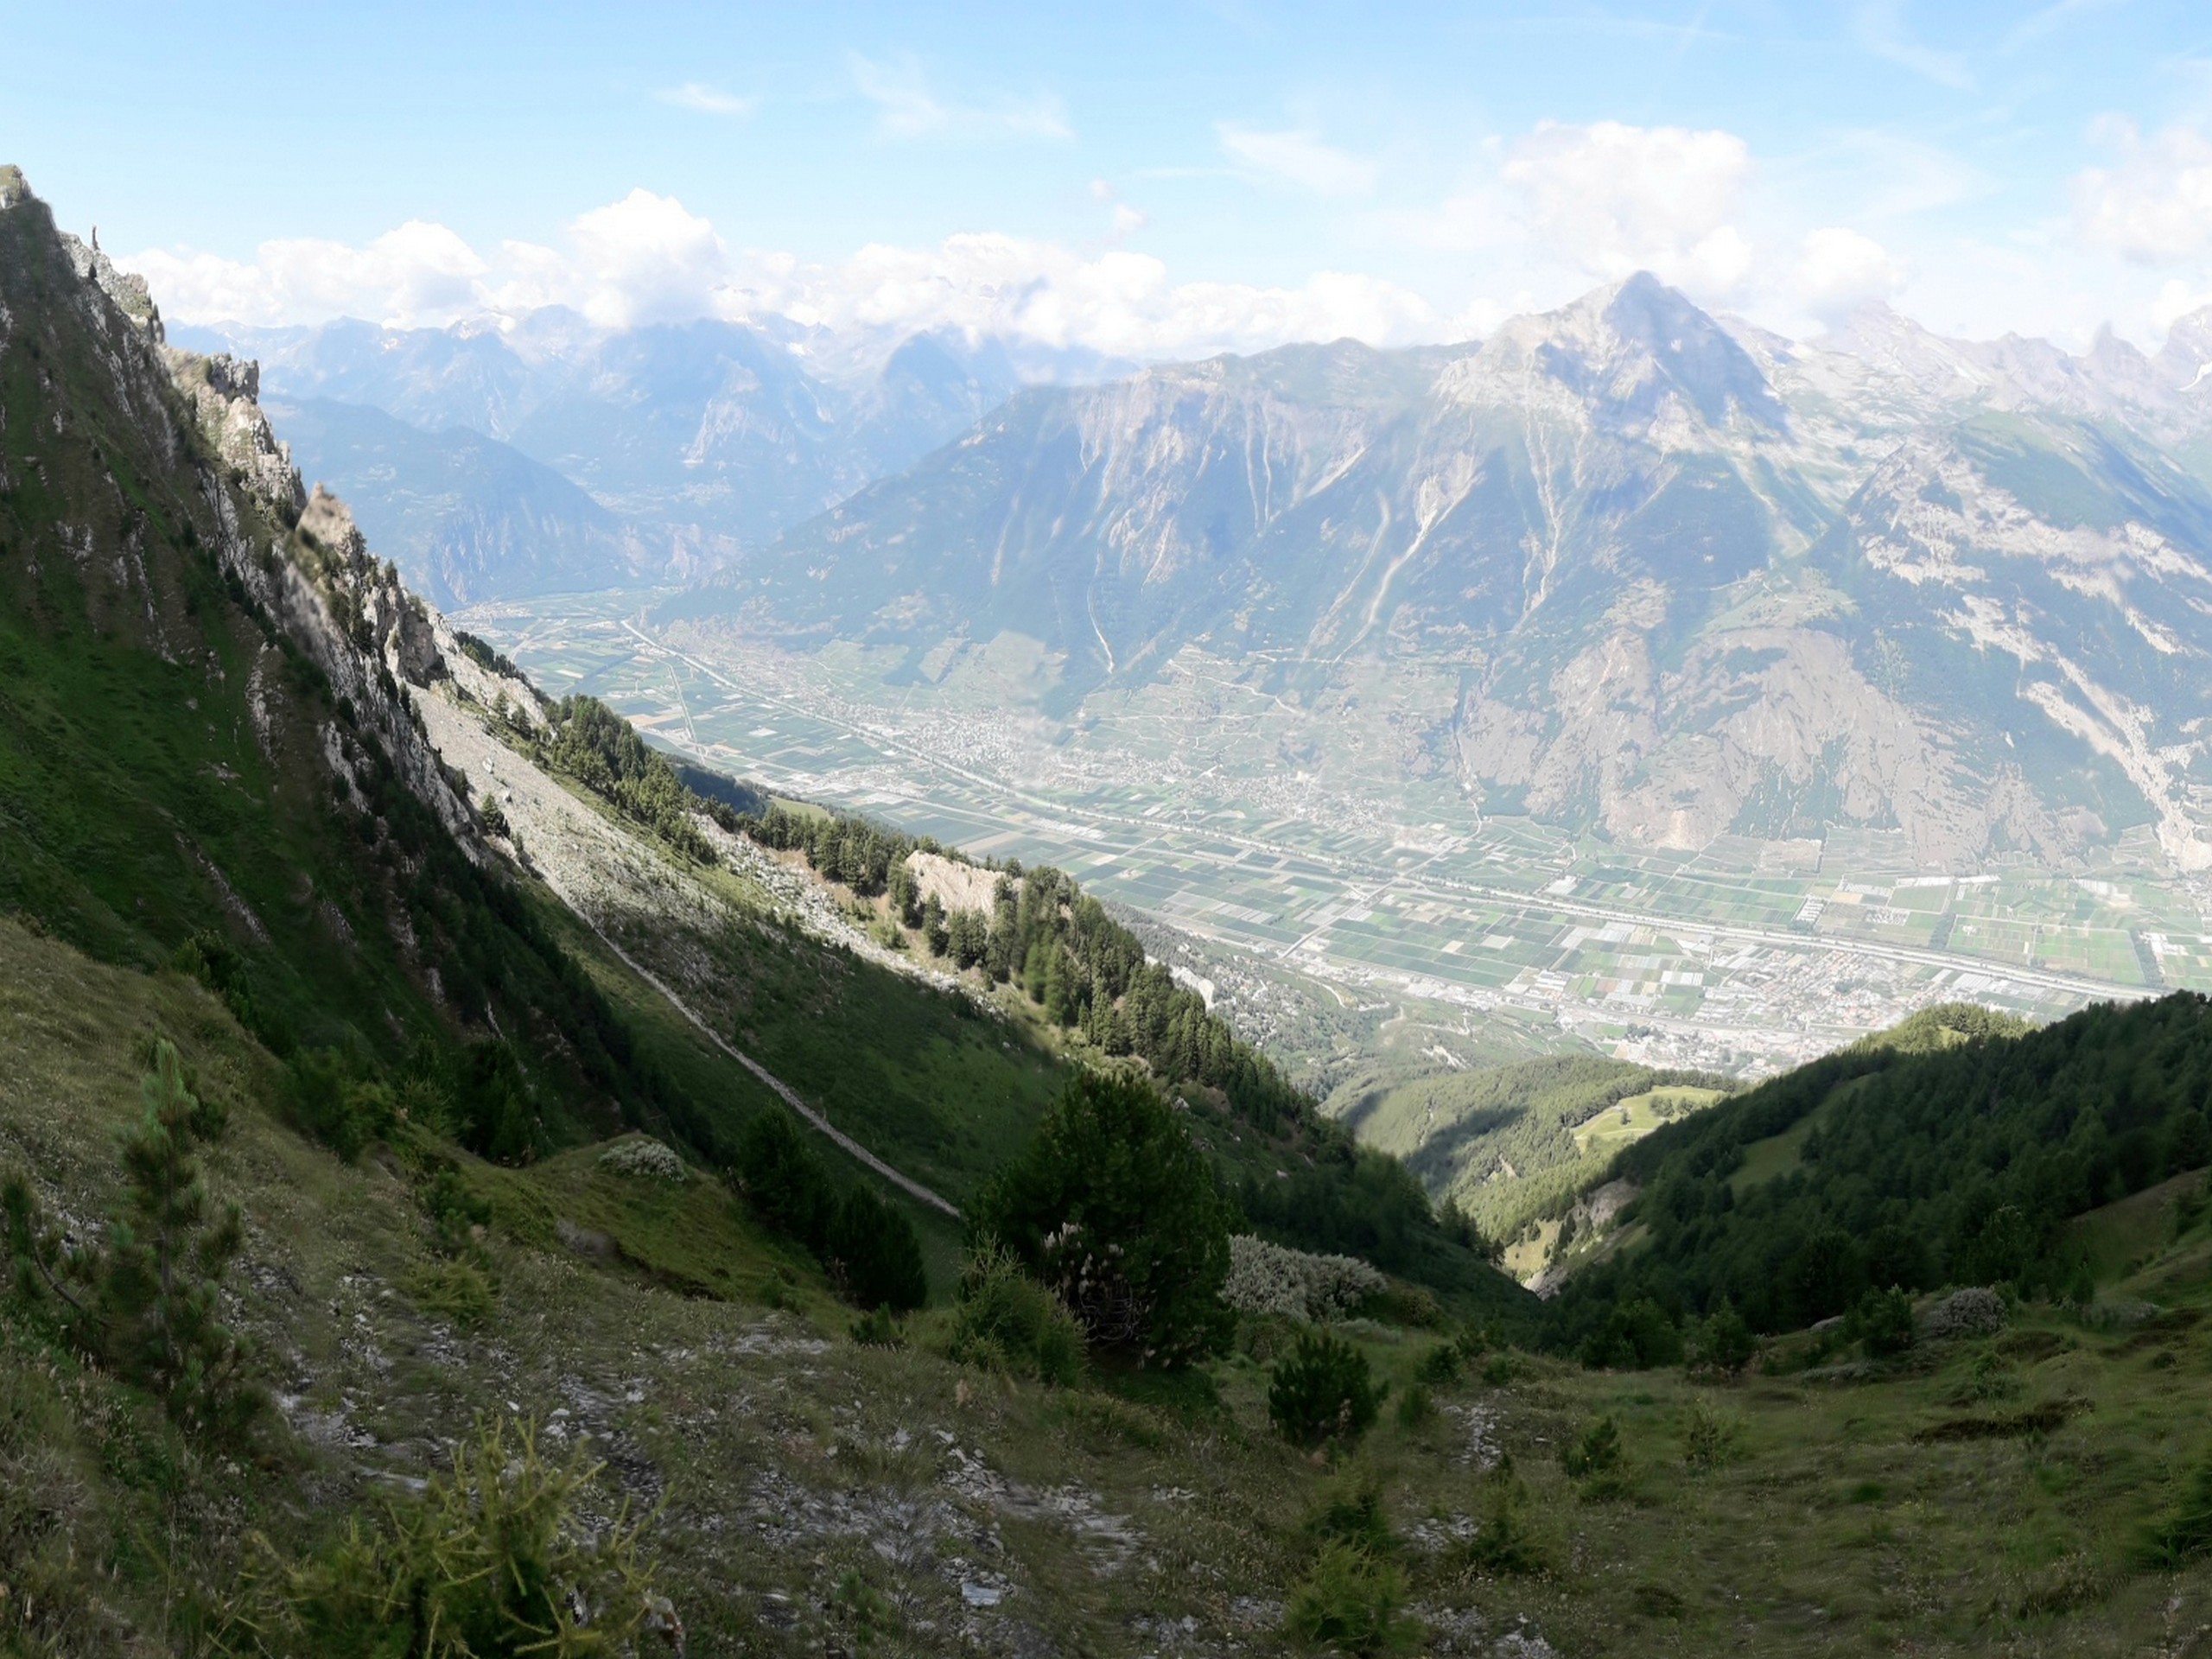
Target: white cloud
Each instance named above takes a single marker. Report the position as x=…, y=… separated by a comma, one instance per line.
x=907, y=108
x=420, y=274
x=1838, y=268
x=1119, y=303
x=2155, y=205
x=1300, y=158
x=2176, y=300
x=706, y=100
x=1610, y=198
x=647, y=258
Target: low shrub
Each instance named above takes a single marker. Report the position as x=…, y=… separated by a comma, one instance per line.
x=1710, y=1436
x=1636, y=1337
x=1722, y=1342
x=1352, y=1513
x=2184, y=1535
x=1415, y=1407
x=1506, y=1542
x=1595, y=1451
x=1004, y=1320
x=1441, y=1366
x=1972, y=1313
x=1352, y=1603
x=878, y=1329
x=1322, y=1391
x=1881, y=1323
x=454, y=1288
x=1990, y=1377
x=1265, y=1278
x=644, y=1157
x=494, y=1558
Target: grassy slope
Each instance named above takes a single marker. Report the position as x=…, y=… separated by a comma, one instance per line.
x=1836, y=1531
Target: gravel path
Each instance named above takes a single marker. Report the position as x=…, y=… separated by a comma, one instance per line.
x=593, y=866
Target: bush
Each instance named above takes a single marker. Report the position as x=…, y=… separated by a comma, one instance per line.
x=1353, y=1514
x=1506, y=1542
x=1265, y=1278
x=147, y=1302
x=1882, y=1323
x=1973, y=1312
x=782, y=1180
x=2185, y=1534
x=1415, y=1407
x=1350, y=1603
x=326, y=1102
x=1324, y=1391
x=1711, y=1437
x=458, y=1290
x=1723, y=1342
x=873, y=1255
x=459, y=1214
x=1441, y=1366
x=645, y=1157
x=1636, y=1337
x=1596, y=1451
x=879, y=1329
x=1113, y=1207
x=1004, y=1320
x=493, y=1559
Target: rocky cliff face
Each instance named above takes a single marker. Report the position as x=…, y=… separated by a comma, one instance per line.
x=298, y=560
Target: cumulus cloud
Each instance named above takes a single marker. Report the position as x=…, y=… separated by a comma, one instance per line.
x=1299, y=158
x=1612, y=198
x=2155, y=204
x=1119, y=303
x=2176, y=300
x=1838, y=269
x=906, y=107
x=706, y=100
x=647, y=258
x=420, y=274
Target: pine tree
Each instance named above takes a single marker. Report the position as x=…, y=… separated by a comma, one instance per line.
x=147, y=1304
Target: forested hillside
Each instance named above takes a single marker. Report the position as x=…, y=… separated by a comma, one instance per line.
x=1954, y=1151
x=1295, y=1174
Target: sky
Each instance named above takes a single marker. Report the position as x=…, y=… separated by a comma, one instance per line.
x=1140, y=181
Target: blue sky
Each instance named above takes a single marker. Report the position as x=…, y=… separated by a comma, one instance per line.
x=1147, y=179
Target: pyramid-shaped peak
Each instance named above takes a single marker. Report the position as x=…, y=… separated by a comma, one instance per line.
x=1627, y=347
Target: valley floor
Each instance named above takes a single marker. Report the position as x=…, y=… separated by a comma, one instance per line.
x=1287, y=837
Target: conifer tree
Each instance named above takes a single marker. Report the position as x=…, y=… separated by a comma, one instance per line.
x=147, y=1302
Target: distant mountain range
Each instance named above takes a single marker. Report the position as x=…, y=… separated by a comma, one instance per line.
x=1689, y=577
x=681, y=446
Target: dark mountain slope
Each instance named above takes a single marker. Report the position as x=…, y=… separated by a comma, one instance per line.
x=206, y=740
x=1954, y=1153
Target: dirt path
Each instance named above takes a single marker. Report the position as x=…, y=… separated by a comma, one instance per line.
x=582, y=858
